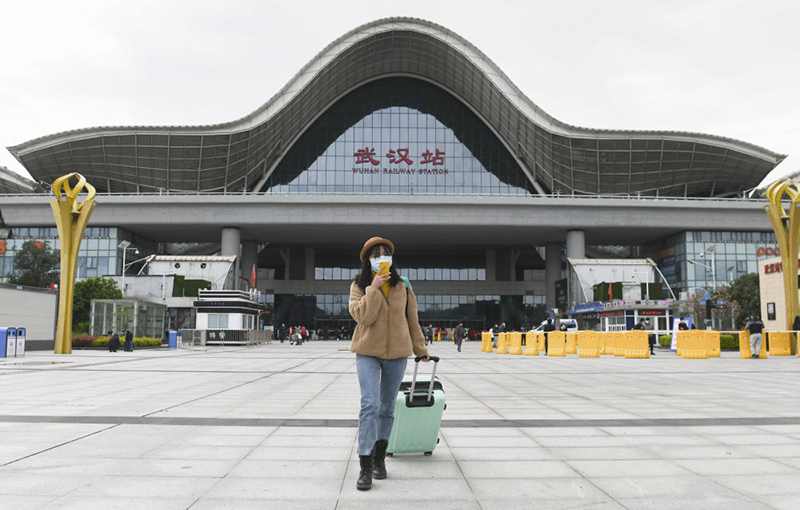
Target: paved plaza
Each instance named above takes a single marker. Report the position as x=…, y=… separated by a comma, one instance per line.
x=274, y=426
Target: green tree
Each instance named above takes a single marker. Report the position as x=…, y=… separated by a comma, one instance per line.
x=85, y=291
x=36, y=265
x=745, y=292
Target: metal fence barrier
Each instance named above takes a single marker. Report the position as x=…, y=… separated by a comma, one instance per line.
x=203, y=337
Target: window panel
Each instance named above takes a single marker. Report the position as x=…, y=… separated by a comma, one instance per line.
x=397, y=135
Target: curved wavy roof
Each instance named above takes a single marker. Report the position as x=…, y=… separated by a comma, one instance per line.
x=556, y=157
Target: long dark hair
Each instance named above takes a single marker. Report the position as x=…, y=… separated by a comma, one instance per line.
x=364, y=278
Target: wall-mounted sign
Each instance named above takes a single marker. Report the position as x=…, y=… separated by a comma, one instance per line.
x=775, y=267
x=2, y=247
x=433, y=162
x=561, y=294
x=771, y=311
x=768, y=250
x=652, y=312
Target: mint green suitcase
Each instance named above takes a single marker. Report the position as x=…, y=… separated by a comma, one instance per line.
x=417, y=413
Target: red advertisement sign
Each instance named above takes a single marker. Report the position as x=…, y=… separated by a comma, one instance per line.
x=2, y=247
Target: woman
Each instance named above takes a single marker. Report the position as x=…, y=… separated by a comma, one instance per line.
x=387, y=333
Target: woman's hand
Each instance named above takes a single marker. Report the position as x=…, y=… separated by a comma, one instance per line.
x=427, y=358
x=380, y=279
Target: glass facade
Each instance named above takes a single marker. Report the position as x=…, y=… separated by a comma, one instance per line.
x=330, y=310
x=399, y=136
x=98, y=256
x=697, y=259
x=447, y=274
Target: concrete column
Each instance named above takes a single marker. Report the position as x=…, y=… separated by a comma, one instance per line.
x=552, y=266
x=310, y=264
x=491, y=267
x=249, y=258
x=576, y=244
x=230, y=241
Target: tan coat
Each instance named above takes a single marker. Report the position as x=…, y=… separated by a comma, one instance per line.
x=382, y=330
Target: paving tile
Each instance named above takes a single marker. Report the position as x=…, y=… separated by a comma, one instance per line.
x=756, y=484
x=735, y=467
x=535, y=489
x=518, y=433
x=119, y=503
x=701, y=503
x=288, y=469
x=626, y=468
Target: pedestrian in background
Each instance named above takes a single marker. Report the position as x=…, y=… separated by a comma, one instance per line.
x=755, y=326
x=113, y=343
x=458, y=335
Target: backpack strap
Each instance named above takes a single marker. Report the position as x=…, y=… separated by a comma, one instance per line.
x=408, y=286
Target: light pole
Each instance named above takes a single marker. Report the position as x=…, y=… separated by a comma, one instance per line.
x=707, y=296
x=124, y=245
x=713, y=251
x=713, y=267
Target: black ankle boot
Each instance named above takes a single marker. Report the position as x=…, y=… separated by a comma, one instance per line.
x=379, y=459
x=364, y=482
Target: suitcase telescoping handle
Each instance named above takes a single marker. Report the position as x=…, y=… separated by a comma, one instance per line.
x=435, y=360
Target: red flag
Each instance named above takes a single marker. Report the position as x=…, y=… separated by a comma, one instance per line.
x=253, y=277
x=610, y=293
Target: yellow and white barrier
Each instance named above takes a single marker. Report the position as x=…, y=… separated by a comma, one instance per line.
x=780, y=342
x=692, y=345
x=531, y=343
x=515, y=341
x=637, y=345
x=620, y=342
x=502, y=348
x=556, y=343
x=602, y=342
x=711, y=338
x=744, y=345
x=572, y=342
x=486, y=342
x=588, y=345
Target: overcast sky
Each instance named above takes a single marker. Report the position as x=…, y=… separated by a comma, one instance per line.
x=721, y=67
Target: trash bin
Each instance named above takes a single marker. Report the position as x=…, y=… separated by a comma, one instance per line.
x=8, y=342
x=174, y=339
x=21, y=332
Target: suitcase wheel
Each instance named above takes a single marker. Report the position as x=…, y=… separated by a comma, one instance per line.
x=389, y=454
x=429, y=453
x=437, y=440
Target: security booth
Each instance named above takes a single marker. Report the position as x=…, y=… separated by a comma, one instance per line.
x=142, y=318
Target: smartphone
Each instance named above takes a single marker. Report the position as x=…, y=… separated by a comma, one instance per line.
x=383, y=268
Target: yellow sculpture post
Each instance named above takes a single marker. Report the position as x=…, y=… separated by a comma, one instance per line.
x=71, y=219
x=786, y=225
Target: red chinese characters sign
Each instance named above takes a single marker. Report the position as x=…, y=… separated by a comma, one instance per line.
x=434, y=163
x=776, y=267
x=2, y=247
x=366, y=155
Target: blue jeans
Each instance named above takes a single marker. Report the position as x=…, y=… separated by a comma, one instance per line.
x=379, y=380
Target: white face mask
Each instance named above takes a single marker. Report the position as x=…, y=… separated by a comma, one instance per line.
x=376, y=262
